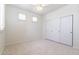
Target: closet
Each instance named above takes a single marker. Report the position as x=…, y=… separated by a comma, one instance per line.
x=61, y=30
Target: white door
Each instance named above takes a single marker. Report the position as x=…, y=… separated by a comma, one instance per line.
x=53, y=29
x=66, y=30
x=49, y=29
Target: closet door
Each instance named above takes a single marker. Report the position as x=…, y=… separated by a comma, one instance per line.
x=56, y=30
x=66, y=30
x=53, y=29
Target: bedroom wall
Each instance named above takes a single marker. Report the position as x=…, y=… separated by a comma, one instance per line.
x=20, y=31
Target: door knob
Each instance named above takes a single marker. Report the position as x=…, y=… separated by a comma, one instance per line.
x=70, y=32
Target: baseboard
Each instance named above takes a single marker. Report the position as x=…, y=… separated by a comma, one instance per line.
x=18, y=42
x=59, y=42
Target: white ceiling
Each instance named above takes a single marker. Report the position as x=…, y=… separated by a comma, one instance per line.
x=46, y=9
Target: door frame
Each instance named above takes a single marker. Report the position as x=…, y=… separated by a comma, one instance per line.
x=72, y=28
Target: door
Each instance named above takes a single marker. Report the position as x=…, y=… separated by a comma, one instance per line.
x=53, y=29
x=66, y=30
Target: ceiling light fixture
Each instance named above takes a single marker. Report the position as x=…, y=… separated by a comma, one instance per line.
x=39, y=8
x=43, y=5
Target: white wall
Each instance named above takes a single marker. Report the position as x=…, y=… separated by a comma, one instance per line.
x=64, y=11
x=2, y=31
x=21, y=31
x=2, y=40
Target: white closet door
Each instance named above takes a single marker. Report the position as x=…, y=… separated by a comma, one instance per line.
x=66, y=30
x=53, y=29
x=48, y=29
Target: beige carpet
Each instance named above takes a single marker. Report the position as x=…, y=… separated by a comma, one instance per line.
x=40, y=47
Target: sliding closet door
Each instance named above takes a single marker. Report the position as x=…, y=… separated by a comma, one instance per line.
x=56, y=30
x=53, y=29
x=66, y=30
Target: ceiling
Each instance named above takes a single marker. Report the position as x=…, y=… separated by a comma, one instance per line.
x=46, y=9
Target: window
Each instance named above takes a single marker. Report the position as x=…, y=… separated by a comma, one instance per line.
x=22, y=16
x=34, y=19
